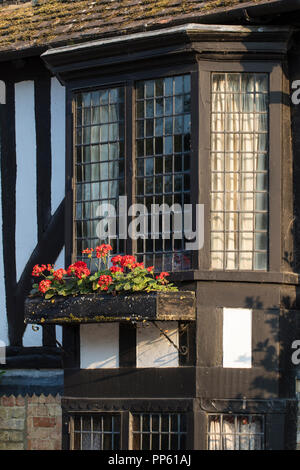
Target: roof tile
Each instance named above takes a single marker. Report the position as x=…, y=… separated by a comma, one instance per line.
x=51, y=22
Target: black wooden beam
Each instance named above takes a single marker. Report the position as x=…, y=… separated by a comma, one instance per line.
x=46, y=251
x=43, y=152
x=127, y=345
x=43, y=169
x=8, y=190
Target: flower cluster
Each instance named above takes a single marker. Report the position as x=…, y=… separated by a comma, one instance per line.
x=79, y=269
x=44, y=286
x=38, y=270
x=120, y=273
x=104, y=281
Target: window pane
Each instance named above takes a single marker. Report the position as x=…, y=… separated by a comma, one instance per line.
x=166, y=431
x=235, y=432
x=163, y=146
x=239, y=166
x=99, y=147
x=96, y=432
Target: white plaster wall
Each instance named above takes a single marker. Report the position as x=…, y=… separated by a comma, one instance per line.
x=60, y=263
x=26, y=200
x=153, y=349
x=3, y=318
x=99, y=346
x=237, y=338
x=26, y=186
x=58, y=129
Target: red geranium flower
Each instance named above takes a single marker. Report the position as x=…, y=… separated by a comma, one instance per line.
x=104, y=281
x=162, y=277
x=103, y=250
x=88, y=251
x=37, y=270
x=79, y=269
x=59, y=273
x=128, y=261
x=44, y=285
x=138, y=265
x=150, y=269
x=116, y=269
x=116, y=260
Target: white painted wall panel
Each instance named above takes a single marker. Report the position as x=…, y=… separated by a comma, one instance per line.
x=99, y=346
x=237, y=338
x=153, y=349
x=3, y=318
x=58, y=129
x=59, y=263
x=26, y=199
x=26, y=186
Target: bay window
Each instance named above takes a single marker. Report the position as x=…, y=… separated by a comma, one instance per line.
x=169, y=141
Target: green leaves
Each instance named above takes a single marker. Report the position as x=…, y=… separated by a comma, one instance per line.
x=130, y=279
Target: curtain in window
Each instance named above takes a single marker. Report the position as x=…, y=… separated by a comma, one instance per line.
x=235, y=433
x=99, y=148
x=239, y=144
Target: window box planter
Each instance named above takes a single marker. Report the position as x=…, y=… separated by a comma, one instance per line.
x=95, y=308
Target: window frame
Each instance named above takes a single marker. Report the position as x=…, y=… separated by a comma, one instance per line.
x=236, y=416
x=128, y=81
x=274, y=69
x=92, y=415
x=125, y=409
x=200, y=71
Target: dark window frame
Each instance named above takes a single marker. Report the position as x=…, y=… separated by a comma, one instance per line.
x=275, y=110
x=200, y=71
x=129, y=84
x=83, y=407
x=236, y=416
x=92, y=415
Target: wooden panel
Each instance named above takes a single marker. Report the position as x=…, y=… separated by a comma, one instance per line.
x=130, y=382
x=96, y=308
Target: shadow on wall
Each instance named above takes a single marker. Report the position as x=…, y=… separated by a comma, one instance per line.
x=274, y=355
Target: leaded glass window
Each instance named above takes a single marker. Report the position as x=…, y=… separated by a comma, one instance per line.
x=95, y=432
x=235, y=432
x=163, y=147
x=165, y=431
x=99, y=162
x=239, y=171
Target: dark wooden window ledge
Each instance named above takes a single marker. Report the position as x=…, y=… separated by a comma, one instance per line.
x=96, y=308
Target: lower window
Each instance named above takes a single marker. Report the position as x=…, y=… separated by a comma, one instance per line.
x=166, y=431
x=95, y=432
x=147, y=431
x=236, y=432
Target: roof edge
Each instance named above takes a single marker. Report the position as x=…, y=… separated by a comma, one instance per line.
x=188, y=30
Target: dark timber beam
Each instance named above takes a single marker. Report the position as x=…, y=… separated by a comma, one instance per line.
x=8, y=189
x=47, y=250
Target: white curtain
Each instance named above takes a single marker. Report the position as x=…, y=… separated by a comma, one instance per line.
x=235, y=433
x=239, y=125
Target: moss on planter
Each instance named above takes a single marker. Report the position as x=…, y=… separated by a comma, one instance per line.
x=95, y=308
